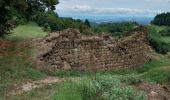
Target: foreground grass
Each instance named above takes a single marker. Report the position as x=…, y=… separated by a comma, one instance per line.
x=100, y=87
x=15, y=64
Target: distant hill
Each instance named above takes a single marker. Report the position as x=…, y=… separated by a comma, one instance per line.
x=144, y=20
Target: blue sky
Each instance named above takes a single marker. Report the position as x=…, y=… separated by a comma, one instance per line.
x=72, y=8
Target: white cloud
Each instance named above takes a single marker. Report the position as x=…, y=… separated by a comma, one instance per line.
x=81, y=8
x=139, y=7
x=86, y=9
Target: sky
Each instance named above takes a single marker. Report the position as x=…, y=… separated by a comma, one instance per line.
x=71, y=8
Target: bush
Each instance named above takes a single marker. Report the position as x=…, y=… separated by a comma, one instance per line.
x=115, y=29
x=156, y=42
x=165, y=32
x=21, y=21
x=47, y=27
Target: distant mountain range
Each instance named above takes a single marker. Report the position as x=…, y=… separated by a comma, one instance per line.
x=115, y=19
x=140, y=20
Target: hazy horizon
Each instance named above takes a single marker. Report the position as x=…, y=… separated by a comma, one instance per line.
x=112, y=7
x=106, y=9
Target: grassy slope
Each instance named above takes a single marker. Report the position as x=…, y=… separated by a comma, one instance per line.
x=31, y=30
x=16, y=68
x=160, y=28
x=15, y=65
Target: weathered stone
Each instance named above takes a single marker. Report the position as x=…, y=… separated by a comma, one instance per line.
x=72, y=50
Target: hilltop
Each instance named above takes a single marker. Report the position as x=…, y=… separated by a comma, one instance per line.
x=17, y=70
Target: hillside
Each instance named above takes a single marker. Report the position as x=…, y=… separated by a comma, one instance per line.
x=17, y=70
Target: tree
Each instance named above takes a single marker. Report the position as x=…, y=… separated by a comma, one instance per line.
x=162, y=19
x=87, y=23
x=5, y=17
x=28, y=9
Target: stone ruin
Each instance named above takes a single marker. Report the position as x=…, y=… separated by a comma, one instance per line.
x=70, y=49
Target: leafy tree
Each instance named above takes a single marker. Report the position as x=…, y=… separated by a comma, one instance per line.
x=87, y=23
x=5, y=17
x=22, y=9
x=162, y=19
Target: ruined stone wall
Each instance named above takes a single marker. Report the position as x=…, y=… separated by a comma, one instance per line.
x=71, y=50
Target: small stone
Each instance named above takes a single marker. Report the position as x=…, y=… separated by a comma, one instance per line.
x=153, y=94
x=66, y=66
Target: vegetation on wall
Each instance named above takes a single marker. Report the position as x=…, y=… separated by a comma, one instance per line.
x=156, y=41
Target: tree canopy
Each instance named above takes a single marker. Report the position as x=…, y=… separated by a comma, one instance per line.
x=28, y=9
x=87, y=23
x=162, y=19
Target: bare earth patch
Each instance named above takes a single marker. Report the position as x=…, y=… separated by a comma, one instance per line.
x=154, y=91
x=3, y=45
x=28, y=86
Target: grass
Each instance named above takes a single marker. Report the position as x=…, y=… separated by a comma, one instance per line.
x=15, y=64
x=102, y=87
x=158, y=30
x=28, y=31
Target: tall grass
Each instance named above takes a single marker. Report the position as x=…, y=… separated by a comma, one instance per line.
x=102, y=87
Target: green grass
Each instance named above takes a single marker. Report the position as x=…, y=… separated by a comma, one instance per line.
x=102, y=87
x=158, y=30
x=15, y=65
x=30, y=30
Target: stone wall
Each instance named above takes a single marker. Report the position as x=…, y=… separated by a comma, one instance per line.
x=72, y=50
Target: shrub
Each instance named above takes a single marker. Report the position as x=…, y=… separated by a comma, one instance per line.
x=165, y=32
x=115, y=29
x=21, y=21
x=47, y=27
x=156, y=42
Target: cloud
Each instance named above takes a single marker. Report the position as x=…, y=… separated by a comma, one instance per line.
x=81, y=8
x=86, y=9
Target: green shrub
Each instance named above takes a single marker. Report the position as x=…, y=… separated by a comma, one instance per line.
x=21, y=21
x=156, y=42
x=131, y=79
x=47, y=27
x=115, y=29
x=165, y=32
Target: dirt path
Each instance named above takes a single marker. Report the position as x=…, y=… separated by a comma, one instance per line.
x=28, y=86
x=154, y=91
